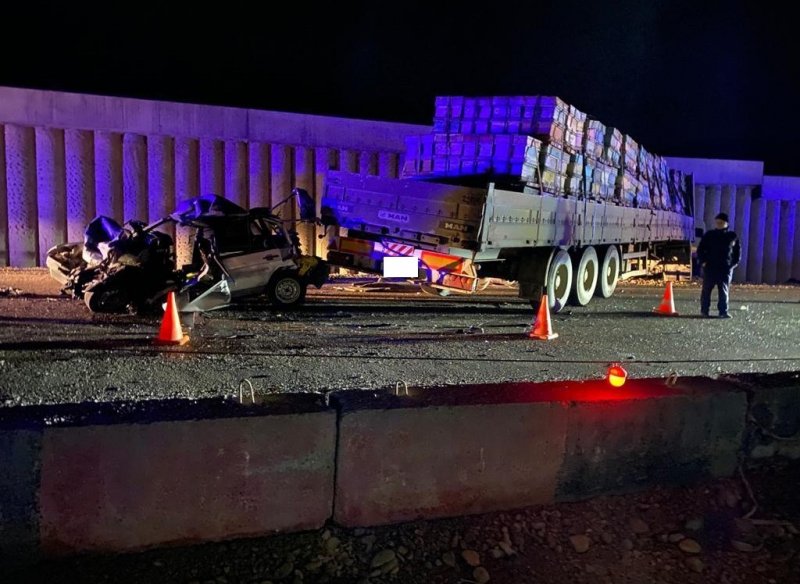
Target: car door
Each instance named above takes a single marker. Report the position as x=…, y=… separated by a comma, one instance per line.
x=252, y=267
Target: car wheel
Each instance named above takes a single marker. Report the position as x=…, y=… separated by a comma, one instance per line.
x=286, y=290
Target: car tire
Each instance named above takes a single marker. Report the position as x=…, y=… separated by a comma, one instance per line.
x=107, y=299
x=286, y=290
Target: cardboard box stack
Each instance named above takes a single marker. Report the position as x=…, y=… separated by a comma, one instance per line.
x=544, y=145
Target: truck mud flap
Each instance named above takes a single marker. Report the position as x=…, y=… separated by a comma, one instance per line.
x=532, y=272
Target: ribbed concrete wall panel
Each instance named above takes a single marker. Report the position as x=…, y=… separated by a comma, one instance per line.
x=727, y=203
x=108, y=174
x=769, y=274
x=304, y=179
x=212, y=167
x=387, y=164
x=161, y=180
x=282, y=179
x=187, y=185
x=236, y=174
x=348, y=160
x=368, y=163
x=79, y=149
x=742, y=228
x=712, y=204
x=796, y=248
x=325, y=159
x=785, y=240
x=3, y=201
x=51, y=185
x=259, y=174
x=20, y=160
x=134, y=176
x=699, y=205
x=755, y=260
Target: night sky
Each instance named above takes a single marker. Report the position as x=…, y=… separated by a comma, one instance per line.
x=701, y=78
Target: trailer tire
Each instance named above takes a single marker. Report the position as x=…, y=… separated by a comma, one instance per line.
x=609, y=272
x=559, y=280
x=586, y=267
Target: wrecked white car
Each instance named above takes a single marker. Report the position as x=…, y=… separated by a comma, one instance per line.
x=236, y=253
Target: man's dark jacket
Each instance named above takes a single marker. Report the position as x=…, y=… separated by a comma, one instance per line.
x=719, y=249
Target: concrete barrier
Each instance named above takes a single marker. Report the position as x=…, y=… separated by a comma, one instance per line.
x=19, y=489
x=773, y=427
x=658, y=435
x=448, y=452
x=127, y=476
x=163, y=473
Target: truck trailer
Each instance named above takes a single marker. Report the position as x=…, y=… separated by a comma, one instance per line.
x=568, y=207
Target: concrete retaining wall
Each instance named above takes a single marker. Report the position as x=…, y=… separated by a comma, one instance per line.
x=65, y=157
x=768, y=229
x=127, y=476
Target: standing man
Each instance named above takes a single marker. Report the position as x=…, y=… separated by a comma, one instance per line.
x=719, y=253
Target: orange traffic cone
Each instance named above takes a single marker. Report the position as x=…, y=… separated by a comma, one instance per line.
x=170, y=332
x=542, y=328
x=667, y=306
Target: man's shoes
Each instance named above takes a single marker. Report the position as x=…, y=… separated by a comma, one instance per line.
x=724, y=315
x=705, y=315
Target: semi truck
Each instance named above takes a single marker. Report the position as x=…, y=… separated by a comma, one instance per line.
x=555, y=228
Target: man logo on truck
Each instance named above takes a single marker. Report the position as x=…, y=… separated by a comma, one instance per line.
x=460, y=227
x=393, y=216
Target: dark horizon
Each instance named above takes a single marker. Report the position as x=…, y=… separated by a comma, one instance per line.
x=711, y=81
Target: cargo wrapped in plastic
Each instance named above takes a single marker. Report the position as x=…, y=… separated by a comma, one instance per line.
x=612, y=147
x=573, y=136
x=630, y=154
x=645, y=163
x=554, y=158
x=602, y=182
x=544, y=117
x=627, y=189
x=678, y=194
x=469, y=154
x=644, y=199
x=552, y=181
x=576, y=156
x=573, y=185
x=575, y=164
x=593, y=139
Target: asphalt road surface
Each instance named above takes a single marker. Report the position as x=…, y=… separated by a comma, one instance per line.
x=53, y=350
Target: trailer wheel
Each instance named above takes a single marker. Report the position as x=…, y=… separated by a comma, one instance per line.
x=609, y=273
x=585, y=280
x=559, y=280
